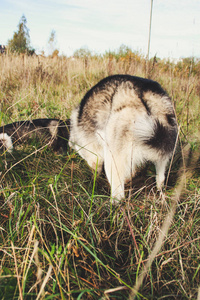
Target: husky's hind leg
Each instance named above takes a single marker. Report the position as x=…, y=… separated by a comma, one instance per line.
x=115, y=173
x=160, y=173
x=119, y=168
x=118, y=162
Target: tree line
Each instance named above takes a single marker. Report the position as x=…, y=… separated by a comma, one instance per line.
x=20, y=42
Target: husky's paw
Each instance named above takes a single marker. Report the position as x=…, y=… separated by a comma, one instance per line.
x=115, y=201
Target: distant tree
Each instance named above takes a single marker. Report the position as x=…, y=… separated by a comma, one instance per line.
x=52, y=44
x=122, y=51
x=20, y=43
x=55, y=53
x=82, y=53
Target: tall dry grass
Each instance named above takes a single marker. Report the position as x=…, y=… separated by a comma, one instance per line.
x=60, y=238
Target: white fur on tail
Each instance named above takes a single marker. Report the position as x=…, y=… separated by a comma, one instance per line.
x=144, y=128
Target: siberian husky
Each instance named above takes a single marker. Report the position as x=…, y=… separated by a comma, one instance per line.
x=122, y=122
x=54, y=131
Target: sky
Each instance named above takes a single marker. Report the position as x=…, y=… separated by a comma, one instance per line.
x=104, y=25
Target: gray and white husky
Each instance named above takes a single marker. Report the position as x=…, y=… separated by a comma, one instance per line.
x=122, y=122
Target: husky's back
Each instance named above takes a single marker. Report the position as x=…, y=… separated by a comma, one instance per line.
x=122, y=122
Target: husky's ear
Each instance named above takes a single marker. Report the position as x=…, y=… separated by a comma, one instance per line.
x=6, y=141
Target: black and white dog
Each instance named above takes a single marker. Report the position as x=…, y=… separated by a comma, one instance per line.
x=122, y=122
x=52, y=131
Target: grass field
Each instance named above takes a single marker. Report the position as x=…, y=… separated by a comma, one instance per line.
x=60, y=238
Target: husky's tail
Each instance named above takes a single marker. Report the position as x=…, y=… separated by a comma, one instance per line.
x=156, y=135
x=18, y=132
x=6, y=141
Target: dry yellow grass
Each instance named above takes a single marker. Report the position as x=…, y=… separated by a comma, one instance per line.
x=59, y=236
